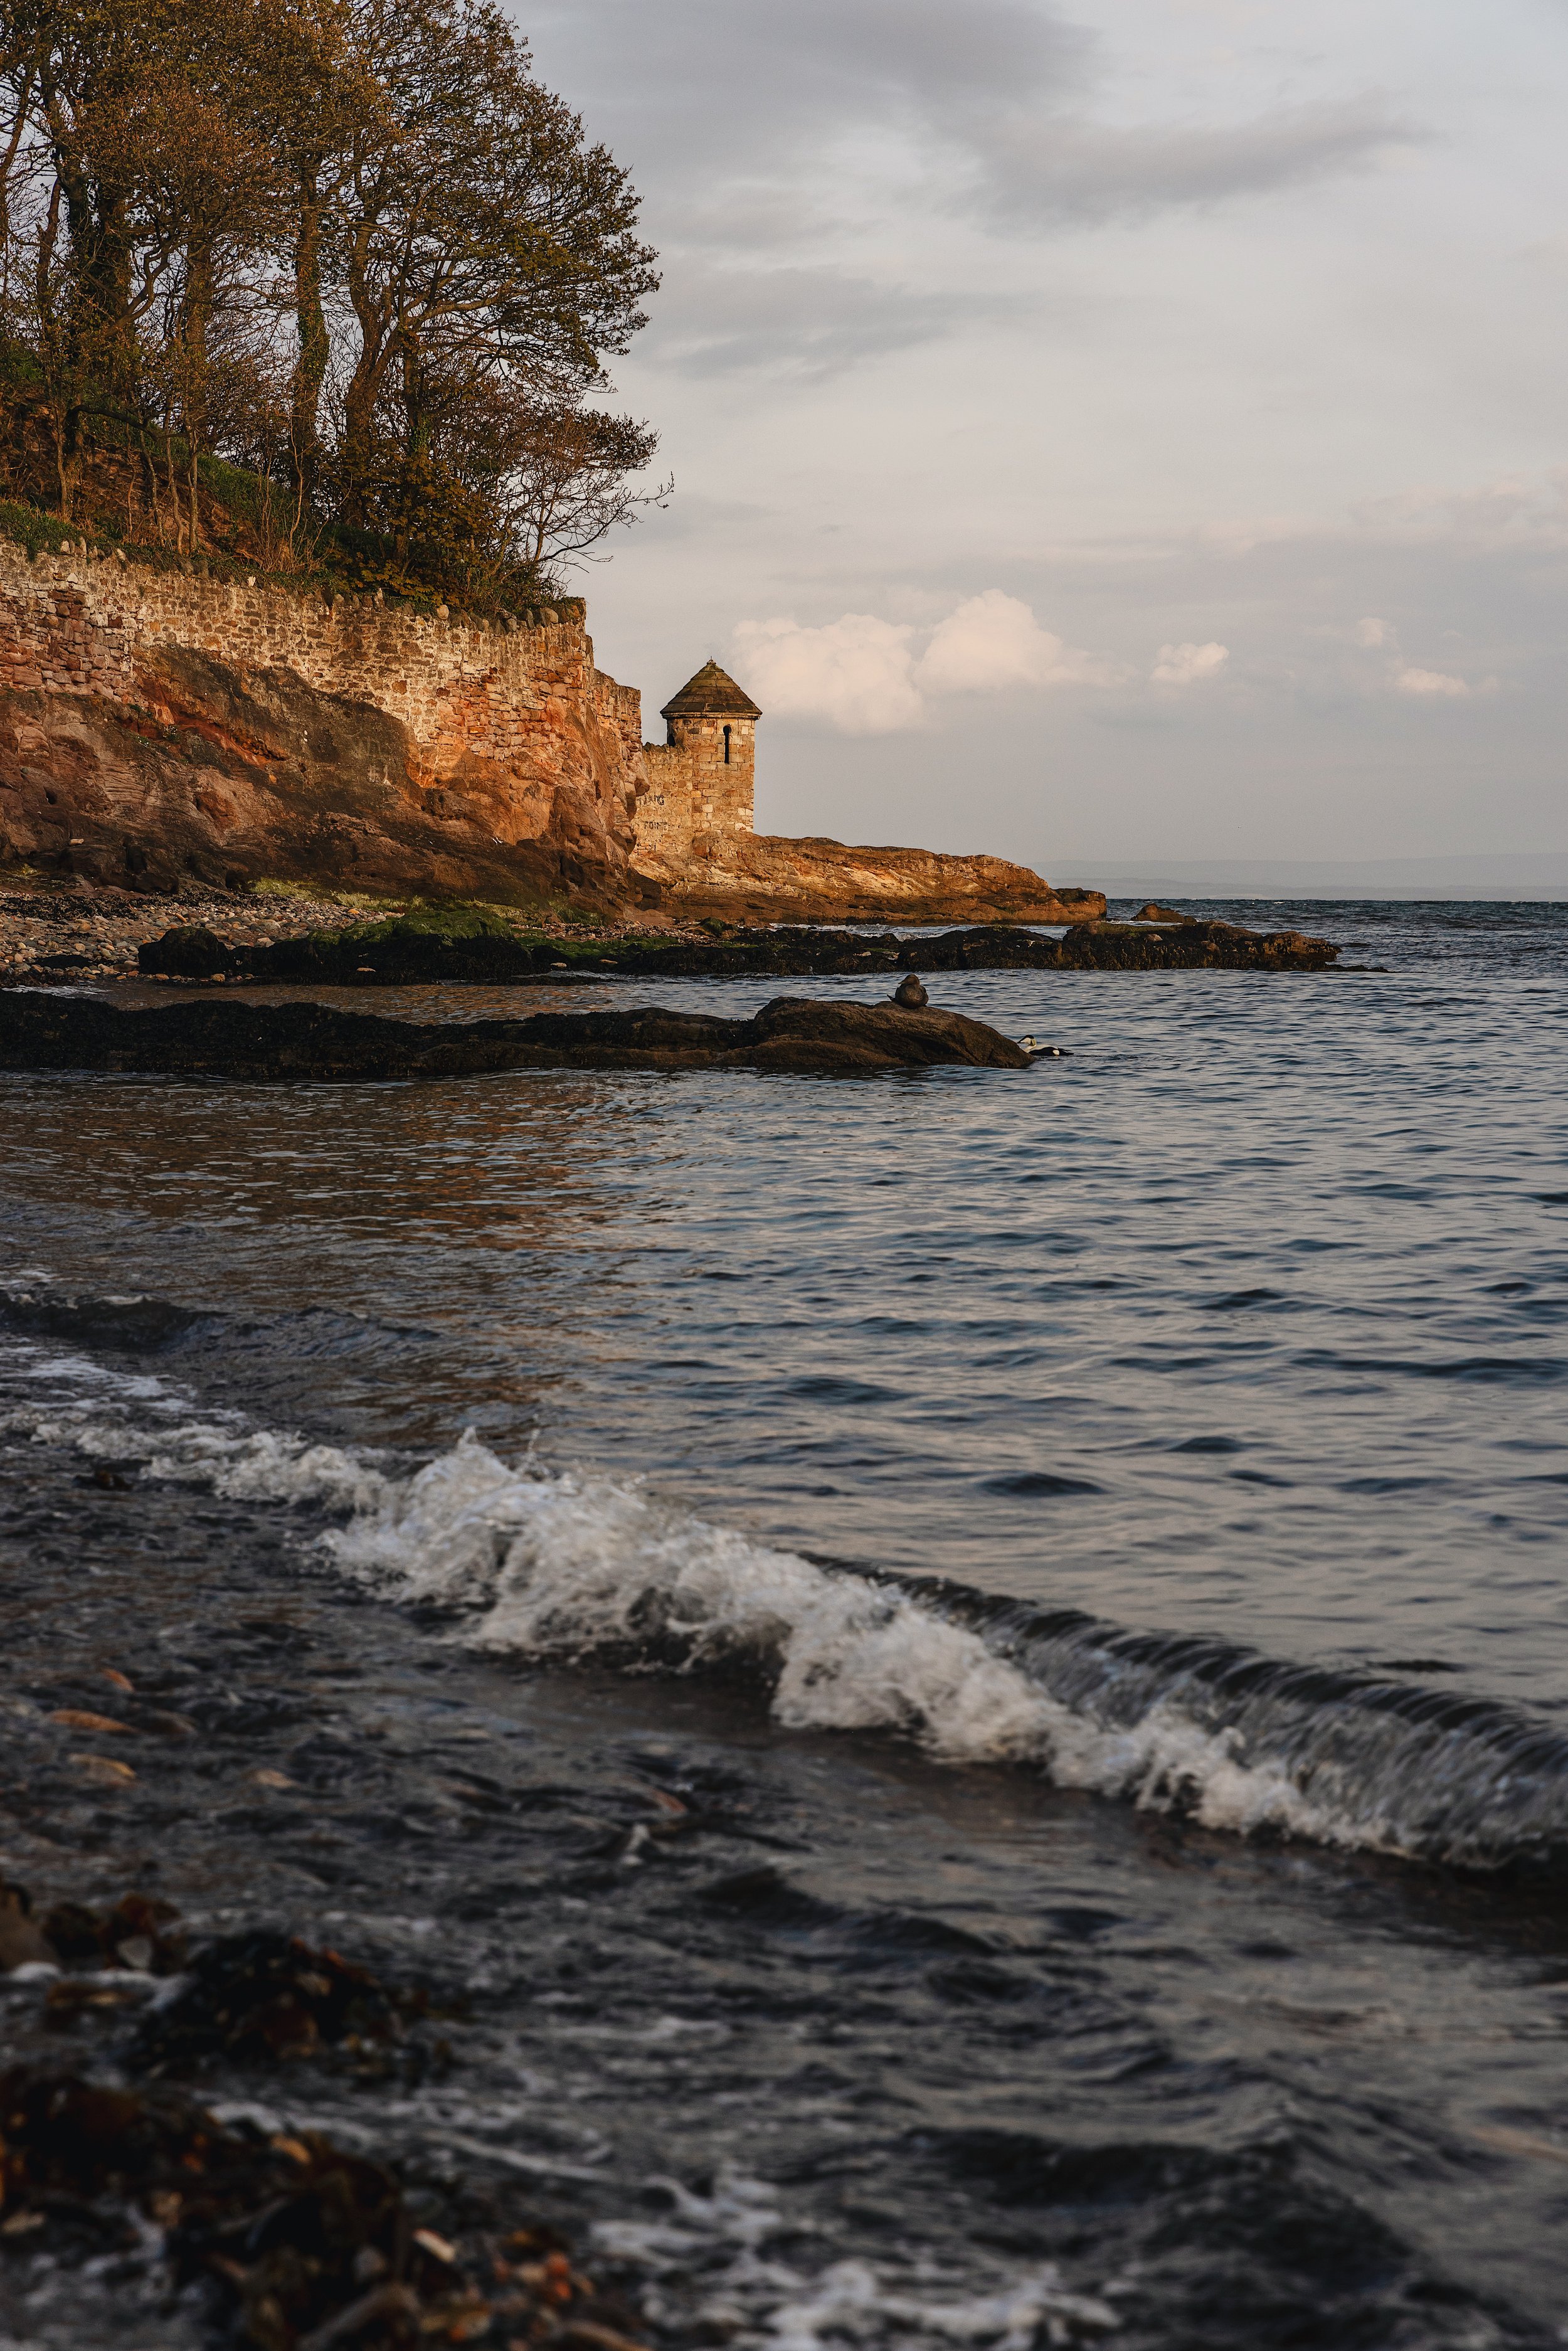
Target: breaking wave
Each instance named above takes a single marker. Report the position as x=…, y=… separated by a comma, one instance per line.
x=560, y=1567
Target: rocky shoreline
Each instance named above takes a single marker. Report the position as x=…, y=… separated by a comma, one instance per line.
x=395, y=953
x=207, y=2126
x=215, y=1038
x=113, y=934
x=97, y=934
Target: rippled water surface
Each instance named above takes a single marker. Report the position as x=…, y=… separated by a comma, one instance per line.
x=1241, y=1329
x=1249, y=1316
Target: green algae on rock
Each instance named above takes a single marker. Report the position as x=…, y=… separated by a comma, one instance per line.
x=393, y=953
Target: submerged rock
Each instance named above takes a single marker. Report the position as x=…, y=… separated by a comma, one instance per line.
x=225, y=1038
x=260, y=1995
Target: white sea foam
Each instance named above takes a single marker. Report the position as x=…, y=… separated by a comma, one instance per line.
x=569, y=1567
x=566, y=1567
x=764, y=2303
x=240, y=1464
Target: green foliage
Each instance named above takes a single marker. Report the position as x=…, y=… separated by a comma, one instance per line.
x=30, y=528
x=455, y=922
x=249, y=497
x=274, y=885
x=341, y=273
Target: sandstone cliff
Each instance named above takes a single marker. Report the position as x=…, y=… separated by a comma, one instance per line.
x=160, y=728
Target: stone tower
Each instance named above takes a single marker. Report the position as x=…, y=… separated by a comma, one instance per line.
x=715, y=724
x=702, y=779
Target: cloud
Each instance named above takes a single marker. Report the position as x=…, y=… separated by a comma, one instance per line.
x=857, y=673
x=994, y=106
x=1399, y=676
x=1188, y=664
x=807, y=323
x=1510, y=512
x=1068, y=168
x=993, y=642
x=864, y=676
x=788, y=82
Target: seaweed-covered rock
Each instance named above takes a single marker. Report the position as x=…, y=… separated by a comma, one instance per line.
x=993, y=946
x=484, y=950
x=388, y=954
x=190, y=951
x=1190, y=947
x=299, y=2244
x=262, y=1995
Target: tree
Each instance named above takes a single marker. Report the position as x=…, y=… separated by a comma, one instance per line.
x=480, y=232
x=322, y=101
x=566, y=481
x=352, y=241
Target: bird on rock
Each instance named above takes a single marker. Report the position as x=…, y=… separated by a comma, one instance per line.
x=910, y=993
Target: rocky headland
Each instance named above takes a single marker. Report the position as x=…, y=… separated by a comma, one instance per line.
x=757, y=877
x=169, y=724
x=172, y=730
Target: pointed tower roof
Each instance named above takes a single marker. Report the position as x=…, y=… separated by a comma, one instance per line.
x=711, y=694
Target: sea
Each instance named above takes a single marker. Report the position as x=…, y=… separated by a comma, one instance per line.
x=962, y=1677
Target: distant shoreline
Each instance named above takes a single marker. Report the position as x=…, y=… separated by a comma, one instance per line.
x=1187, y=896
x=1515, y=877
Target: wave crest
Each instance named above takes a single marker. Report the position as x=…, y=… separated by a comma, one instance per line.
x=561, y=1567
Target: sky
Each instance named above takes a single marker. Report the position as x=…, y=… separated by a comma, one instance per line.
x=1104, y=433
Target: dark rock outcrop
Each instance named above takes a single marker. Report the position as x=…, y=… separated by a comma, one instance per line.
x=393, y=953
x=383, y=954
x=1188, y=946
x=222, y=1037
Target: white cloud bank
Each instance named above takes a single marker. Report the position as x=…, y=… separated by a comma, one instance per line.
x=868, y=676
x=857, y=673
x=993, y=642
x=1188, y=664
x=1431, y=681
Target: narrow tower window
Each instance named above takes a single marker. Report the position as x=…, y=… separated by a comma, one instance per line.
x=726, y=746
